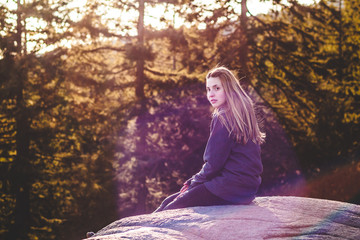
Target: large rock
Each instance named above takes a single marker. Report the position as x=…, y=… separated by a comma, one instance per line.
x=265, y=218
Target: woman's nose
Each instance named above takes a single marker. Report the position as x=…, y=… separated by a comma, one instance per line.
x=211, y=93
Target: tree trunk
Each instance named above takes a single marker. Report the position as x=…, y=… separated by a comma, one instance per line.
x=340, y=62
x=141, y=147
x=21, y=174
x=244, y=49
x=21, y=169
x=140, y=60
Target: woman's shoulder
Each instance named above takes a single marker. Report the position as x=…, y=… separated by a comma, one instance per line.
x=220, y=122
x=220, y=114
x=222, y=117
x=218, y=118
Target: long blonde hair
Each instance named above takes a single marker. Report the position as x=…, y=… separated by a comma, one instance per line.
x=239, y=111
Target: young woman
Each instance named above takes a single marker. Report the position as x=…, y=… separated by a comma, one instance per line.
x=232, y=168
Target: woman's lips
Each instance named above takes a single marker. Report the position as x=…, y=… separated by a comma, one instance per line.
x=213, y=101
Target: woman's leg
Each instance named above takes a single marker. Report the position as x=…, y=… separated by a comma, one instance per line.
x=167, y=200
x=196, y=196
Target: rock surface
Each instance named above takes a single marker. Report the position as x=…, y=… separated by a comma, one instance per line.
x=266, y=218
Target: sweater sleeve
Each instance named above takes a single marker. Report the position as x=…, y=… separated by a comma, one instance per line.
x=216, y=153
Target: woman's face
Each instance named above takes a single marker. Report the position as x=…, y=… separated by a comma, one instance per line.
x=215, y=92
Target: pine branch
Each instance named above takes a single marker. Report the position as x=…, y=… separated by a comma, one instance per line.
x=117, y=49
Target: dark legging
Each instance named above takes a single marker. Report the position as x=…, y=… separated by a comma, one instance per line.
x=195, y=196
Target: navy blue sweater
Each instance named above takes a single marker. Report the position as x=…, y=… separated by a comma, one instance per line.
x=231, y=170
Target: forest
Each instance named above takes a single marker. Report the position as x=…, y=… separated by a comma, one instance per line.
x=103, y=109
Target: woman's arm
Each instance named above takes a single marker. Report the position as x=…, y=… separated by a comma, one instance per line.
x=216, y=152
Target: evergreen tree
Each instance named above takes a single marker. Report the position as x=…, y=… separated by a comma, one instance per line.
x=43, y=165
x=304, y=60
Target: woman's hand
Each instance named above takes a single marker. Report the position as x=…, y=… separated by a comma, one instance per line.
x=185, y=187
x=183, y=190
